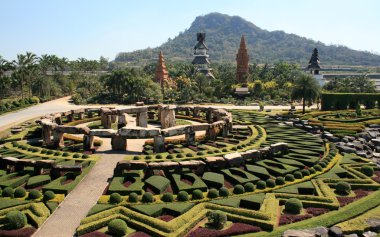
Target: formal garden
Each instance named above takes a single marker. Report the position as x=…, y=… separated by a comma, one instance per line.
x=268, y=173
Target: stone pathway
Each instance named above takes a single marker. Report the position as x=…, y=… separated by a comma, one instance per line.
x=64, y=221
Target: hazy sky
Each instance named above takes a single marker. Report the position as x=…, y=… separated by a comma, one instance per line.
x=94, y=28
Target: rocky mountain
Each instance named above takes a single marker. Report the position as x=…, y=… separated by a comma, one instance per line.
x=223, y=34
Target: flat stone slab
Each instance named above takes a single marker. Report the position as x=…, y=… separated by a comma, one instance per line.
x=139, y=132
x=174, y=131
x=102, y=132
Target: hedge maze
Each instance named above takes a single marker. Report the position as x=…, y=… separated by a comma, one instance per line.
x=252, y=191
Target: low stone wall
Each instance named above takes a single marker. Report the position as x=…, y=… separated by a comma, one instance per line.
x=219, y=121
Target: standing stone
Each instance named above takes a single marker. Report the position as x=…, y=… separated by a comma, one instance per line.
x=70, y=117
x=81, y=115
x=107, y=121
x=225, y=130
x=167, y=117
x=159, y=144
x=58, y=120
x=151, y=115
x=142, y=119
x=122, y=120
x=195, y=113
x=46, y=134
x=212, y=132
x=141, y=103
x=88, y=142
x=209, y=115
x=119, y=143
x=187, y=112
x=113, y=118
x=58, y=139
x=190, y=137
x=89, y=114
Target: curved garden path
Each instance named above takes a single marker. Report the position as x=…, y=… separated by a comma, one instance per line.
x=64, y=221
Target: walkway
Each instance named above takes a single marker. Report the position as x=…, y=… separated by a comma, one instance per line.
x=64, y=221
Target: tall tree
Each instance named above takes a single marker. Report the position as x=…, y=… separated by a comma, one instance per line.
x=305, y=87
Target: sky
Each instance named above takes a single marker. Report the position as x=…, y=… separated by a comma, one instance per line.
x=94, y=28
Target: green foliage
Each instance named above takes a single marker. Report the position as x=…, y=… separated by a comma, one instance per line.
x=147, y=197
x=133, y=197
x=271, y=183
x=182, y=196
x=16, y=219
x=213, y=193
x=317, y=167
x=298, y=175
x=167, y=197
x=197, y=194
x=289, y=178
x=261, y=184
x=238, y=189
x=8, y=192
x=367, y=170
x=117, y=227
x=280, y=180
x=48, y=195
x=223, y=192
x=293, y=205
x=343, y=188
x=342, y=101
x=115, y=198
x=216, y=219
x=19, y=192
x=249, y=187
x=34, y=194
x=351, y=84
x=305, y=172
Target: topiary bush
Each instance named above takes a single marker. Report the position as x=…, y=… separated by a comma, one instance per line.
x=367, y=170
x=239, y=189
x=213, y=193
x=280, y=180
x=261, y=184
x=305, y=172
x=182, y=196
x=115, y=198
x=343, y=188
x=133, y=197
x=34, y=194
x=167, y=197
x=197, y=194
x=147, y=197
x=293, y=205
x=298, y=175
x=76, y=155
x=223, y=192
x=271, y=183
x=312, y=170
x=48, y=195
x=117, y=227
x=289, y=178
x=8, y=192
x=217, y=219
x=323, y=164
x=85, y=156
x=65, y=154
x=19, y=192
x=170, y=156
x=16, y=219
x=57, y=153
x=249, y=187
x=317, y=167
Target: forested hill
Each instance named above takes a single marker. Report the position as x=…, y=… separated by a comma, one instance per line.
x=223, y=34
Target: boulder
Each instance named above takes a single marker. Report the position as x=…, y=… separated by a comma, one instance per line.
x=369, y=234
x=234, y=159
x=215, y=161
x=335, y=231
x=374, y=225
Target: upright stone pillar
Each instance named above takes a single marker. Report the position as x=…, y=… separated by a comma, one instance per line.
x=225, y=130
x=195, y=113
x=70, y=117
x=159, y=144
x=58, y=120
x=209, y=115
x=46, y=134
x=58, y=139
x=187, y=112
x=119, y=143
x=190, y=137
x=212, y=132
x=107, y=121
x=142, y=119
x=113, y=118
x=167, y=117
x=88, y=142
x=81, y=115
x=122, y=120
x=89, y=114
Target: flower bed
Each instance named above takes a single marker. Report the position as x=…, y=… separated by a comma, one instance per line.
x=235, y=229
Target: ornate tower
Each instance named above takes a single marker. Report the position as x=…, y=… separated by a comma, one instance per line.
x=314, y=63
x=161, y=71
x=242, y=59
x=201, y=56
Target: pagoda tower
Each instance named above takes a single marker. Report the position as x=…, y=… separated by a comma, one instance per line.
x=161, y=72
x=314, y=63
x=242, y=59
x=201, y=56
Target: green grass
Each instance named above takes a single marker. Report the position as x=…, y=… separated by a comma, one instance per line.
x=157, y=183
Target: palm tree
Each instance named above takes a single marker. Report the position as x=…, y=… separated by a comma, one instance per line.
x=306, y=88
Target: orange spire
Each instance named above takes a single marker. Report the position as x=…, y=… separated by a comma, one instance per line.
x=242, y=59
x=161, y=71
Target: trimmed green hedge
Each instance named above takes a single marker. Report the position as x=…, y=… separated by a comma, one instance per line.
x=342, y=101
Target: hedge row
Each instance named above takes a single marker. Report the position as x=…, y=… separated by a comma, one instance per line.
x=342, y=101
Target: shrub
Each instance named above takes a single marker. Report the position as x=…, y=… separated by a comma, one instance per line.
x=261, y=184
x=323, y=164
x=200, y=153
x=217, y=219
x=367, y=170
x=44, y=151
x=280, y=180
x=34, y=194
x=117, y=227
x=179, y=155
x=170, y=156
x=136, y=158
x=293, y=205
x=298, y=175
x=305, y=172
x=271, y=183
x=133, y=197
x=58, y=153
x=317, y=167
x=182, y=196
x=76, y=155
x=167, y=197
x=20, y=192
x=8, y=192
x=289, y=178
x=149, y=157
x=147, y=197
x=65, y=154
x=197, y=194
x=50, y=152
x=249, y=187
x=115, y=198
x=189, y=155
x=224, y=150
x=85, y=156
x=343, y=188
x=312, y=170
x=48, y=195
x=16, y=219
x=238, y=189
x=223, y=192
x=213, y=193
x=159, y=156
